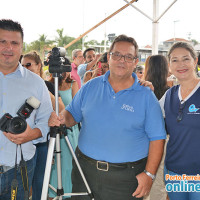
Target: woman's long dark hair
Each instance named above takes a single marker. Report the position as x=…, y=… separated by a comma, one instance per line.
x=157, y=73
x=68, y=79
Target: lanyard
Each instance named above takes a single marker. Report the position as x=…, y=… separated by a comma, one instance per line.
x=14, y=183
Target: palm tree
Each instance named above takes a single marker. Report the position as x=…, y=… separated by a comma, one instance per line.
x=41, y=45
x=63, y=40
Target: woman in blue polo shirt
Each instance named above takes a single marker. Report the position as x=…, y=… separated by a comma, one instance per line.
x=181, y=106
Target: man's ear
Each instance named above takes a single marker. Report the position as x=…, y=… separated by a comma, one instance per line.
x=136, y=61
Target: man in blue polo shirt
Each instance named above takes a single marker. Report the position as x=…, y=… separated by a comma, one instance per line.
x=122, y=136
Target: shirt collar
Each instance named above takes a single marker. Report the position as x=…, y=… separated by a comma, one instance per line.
x=19, y=72
x=133, y=87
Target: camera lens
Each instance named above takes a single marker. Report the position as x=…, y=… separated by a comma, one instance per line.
x=17, y=125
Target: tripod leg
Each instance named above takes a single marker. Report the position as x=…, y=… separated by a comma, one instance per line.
x=60, y=191
x=79, y=167
x=48, y=169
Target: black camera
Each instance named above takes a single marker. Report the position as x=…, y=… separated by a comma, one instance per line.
x=17, y=125
x=57, y=61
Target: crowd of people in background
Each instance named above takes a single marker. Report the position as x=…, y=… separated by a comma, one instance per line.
x=132, y=123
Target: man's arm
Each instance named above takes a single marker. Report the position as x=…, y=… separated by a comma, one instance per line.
x=145, y=182
x=65, y=117
x=93, y=62
x=60, y=102
x=69, y=120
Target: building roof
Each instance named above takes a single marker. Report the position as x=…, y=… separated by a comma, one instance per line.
x=177, y=40
x=148, y=46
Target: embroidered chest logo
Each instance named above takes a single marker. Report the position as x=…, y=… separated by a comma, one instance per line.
x=127, y=108
x=193, y=110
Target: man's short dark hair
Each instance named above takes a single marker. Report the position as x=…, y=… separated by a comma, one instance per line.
x=9, y=25
x=124, y=38
x=88, y=49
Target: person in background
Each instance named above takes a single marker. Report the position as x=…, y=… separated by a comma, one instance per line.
x=78, y=59
x=100, y=68
x=157, y=72
x=139, y=70
x=33, y=62
x=181, y=109
x=67, y=90
x=146, y=65
x=122, y=135
x=90, y=59
x=198, y=66
x=16, y=85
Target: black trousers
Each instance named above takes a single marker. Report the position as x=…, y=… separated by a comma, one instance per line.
x=118, y=183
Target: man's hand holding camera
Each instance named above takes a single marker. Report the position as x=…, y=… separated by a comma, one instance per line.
x=28, y=135
x=16, y=129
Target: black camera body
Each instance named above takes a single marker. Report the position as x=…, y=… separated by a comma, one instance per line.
x=57, y=61
x=17, y=125
x=13, y=125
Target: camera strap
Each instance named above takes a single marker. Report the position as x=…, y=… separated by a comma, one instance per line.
x=24, y=176
x=14, y=183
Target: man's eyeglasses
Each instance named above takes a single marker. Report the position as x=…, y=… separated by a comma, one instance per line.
x=27, y=65
x=117, y=56
x=180, y=112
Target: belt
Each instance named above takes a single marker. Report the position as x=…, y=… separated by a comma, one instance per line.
x=4, y=169
x=106, y=166
x=41, y=144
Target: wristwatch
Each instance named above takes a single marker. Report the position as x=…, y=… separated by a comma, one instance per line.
x=150, y=175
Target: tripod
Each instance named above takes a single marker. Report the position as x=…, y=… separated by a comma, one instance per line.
x=55, y=139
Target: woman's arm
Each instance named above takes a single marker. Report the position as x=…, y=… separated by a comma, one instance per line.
x=75, y=88
x=60, y=103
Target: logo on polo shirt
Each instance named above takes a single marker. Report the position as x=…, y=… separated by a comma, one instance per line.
x=127, y=108
x=193, y=110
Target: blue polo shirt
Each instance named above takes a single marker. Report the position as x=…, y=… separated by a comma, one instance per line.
x=116, y=127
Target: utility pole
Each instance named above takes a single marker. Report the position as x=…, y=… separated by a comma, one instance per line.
x=175, y=30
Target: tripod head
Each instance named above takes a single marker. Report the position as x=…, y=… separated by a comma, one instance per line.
x=57, y=61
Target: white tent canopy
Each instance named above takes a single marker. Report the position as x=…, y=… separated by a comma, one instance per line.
x=155, y=20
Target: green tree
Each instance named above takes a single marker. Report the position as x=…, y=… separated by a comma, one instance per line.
x=92, y=42
x=194, y=42
x=41, y=45
x=62, y=40
x=102, y=42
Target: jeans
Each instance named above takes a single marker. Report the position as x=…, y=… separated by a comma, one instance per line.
x=181, y=195
x=114, y=184
x=41, y=157
x=7, y=177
